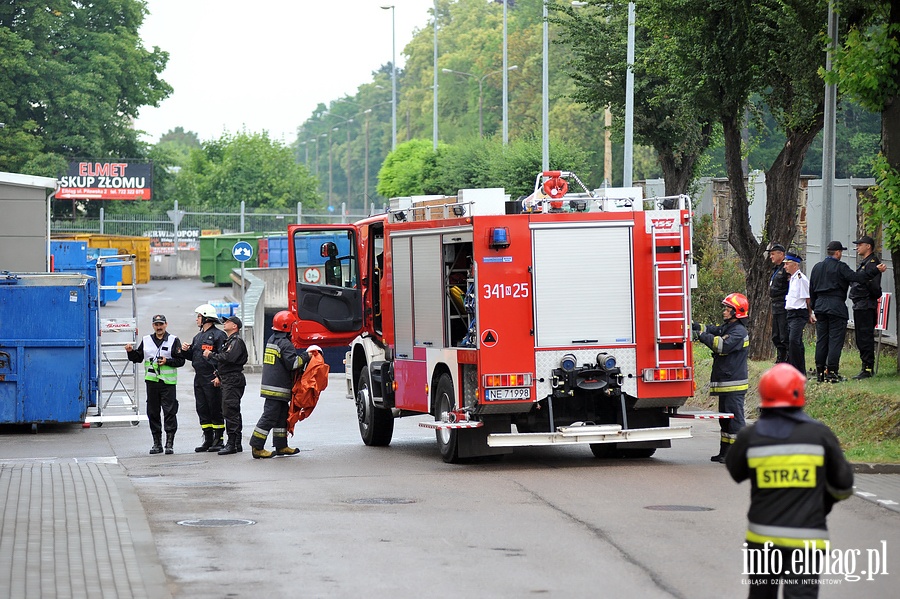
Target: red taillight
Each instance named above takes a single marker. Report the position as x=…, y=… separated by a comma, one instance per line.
x=507, y=380
x=656, y=375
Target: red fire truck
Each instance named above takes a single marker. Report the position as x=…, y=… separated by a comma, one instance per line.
x=560, y=318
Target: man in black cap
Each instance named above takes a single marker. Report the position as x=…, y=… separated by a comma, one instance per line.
x=828, y=286
x=865, y=298
x=778, y=287
x=229, y=362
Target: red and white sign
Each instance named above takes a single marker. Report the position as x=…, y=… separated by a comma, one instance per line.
x=311, y=275
x=884, y=312
x=107, y=181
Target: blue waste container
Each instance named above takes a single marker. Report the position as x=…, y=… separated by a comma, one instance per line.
x=48, y=347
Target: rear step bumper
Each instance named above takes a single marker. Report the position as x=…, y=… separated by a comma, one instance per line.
x=574, y=435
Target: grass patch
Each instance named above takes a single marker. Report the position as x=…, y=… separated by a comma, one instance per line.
x=865, y=415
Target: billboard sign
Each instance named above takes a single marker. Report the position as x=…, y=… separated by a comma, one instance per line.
x=107, y=181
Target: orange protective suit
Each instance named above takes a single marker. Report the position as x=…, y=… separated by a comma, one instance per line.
x=306, y=390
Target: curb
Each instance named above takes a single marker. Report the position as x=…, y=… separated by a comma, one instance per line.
x=864, y=468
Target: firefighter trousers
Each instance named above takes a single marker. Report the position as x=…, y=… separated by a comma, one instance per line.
x=161, y=396
x=830, y=333
x=208, y=399
x=732, y=402
x=864, y=325
x=231, y=407
x=780, y=335
x=274, y=418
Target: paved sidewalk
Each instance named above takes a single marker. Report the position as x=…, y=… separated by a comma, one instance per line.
x=74, y=528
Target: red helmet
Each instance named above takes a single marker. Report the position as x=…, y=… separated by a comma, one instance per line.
x=739, y=302
x=283, y=321
x=782, y=386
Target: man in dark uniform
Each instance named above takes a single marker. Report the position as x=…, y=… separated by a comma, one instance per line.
x=778, y=288
x=828, y=284
x=280, y=360
x=729, y=379
x=207, y=396
x=229, y=363
x=161, y=355
x=865, y=298
x=797, y=473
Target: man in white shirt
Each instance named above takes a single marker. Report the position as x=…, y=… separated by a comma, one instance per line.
x=799, y=311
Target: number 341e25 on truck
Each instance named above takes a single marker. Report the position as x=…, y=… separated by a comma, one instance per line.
x=558, y=318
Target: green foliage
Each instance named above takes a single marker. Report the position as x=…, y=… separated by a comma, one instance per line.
x=402, y=171
x=718, y=274
x=886, y=207
x=73, y=77
x=246, y=167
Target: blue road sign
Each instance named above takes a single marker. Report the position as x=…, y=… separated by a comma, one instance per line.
x=242, y=251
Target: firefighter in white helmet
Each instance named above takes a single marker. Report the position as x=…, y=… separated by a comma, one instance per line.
x=207, y=395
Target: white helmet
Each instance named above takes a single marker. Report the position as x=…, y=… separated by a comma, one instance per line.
x=207, y=312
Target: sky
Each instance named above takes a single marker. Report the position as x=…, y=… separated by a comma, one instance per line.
x=266, y=64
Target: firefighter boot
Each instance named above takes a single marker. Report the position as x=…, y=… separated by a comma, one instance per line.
x=262, y=453
x=865, y=373
x=723, y=451
x=833, y=377
x=287, y=451
x=207, y=441
x=217, y=440
x=170, y=442
x=157, y=444
x=820, y=374
x=233, y=446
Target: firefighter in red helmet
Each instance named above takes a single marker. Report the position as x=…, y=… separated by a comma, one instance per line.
x=797, y=473
x=729, y=379
x=280, y=360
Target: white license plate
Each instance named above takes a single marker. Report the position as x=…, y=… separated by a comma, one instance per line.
x=517, y=393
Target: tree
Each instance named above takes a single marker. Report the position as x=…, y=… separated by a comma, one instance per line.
x=867, y=67
x=401, y=173
x=246, y=167
x=73, y=77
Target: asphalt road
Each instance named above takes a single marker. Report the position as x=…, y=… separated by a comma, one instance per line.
x=344, y=520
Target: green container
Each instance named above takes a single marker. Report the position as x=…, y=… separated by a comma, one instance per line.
x=216, y=260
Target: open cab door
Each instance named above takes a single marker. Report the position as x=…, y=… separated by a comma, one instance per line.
x=324, y=284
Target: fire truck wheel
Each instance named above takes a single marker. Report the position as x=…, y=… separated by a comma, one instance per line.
x=444, y=402
x=604, y=451
x=376, y=425
x=637, y=453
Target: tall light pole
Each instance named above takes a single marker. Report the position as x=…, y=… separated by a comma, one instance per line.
x=629, y=101
x=481, y=91
x=393, y=77
x=505, y=115
x=434, y=125
x=545, y=99
x=317, y=152
x=366, y=171
x=337, y=127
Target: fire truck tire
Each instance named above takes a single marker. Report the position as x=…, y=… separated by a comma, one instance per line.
x=604, y=451
x=447, y=439
x=376, y=425
x=637, y=453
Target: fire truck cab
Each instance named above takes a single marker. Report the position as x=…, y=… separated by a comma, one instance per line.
x=559, y=318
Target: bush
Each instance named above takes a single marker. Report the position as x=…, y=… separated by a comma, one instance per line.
x=718, y=274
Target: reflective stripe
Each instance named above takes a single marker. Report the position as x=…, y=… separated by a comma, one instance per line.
x=786, y=471
x=160, y=373
x=785, y=536
x=260, y=433
x=729, y=389
x=789, y=449
x=279, y=392
x=718, y=344
x=838, y=493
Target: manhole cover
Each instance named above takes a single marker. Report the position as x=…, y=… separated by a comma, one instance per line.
x=216, y=522
x=177, y=464
x=679, y=508
x=381, y=501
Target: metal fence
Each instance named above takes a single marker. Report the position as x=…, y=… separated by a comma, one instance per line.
x=172, y=220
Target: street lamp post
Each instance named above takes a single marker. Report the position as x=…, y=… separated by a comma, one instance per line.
x=337, y=127
x=505, y=115
x=629, y=101
x=545, y=99
x=317, y=152
x=393, y=77
x=481, y=91
x=434, y=125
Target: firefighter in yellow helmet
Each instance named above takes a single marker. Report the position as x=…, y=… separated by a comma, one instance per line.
x=729, y=379
x=280, y=360
x=797, y=473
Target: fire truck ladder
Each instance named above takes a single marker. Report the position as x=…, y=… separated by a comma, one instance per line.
x=672, y=324
x=118, y=378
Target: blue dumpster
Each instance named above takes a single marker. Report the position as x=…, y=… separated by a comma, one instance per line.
x=48, y=347
x=69, y=255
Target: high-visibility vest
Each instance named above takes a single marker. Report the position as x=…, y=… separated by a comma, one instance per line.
x=154, y=371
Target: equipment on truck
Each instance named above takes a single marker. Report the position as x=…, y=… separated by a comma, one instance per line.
x=559, y=318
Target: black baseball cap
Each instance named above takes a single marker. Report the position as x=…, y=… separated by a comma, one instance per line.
x=866, y=239
x=834, y=246
x=236, y=321
x=159, y=318
x=776, y=247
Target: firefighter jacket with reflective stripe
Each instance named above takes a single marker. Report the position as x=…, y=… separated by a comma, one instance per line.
x=797, y=473
x=865, y=296
x=828, y=284
x=211, y=339
x=729, y=343
x=151, y=350
x=280, y=359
